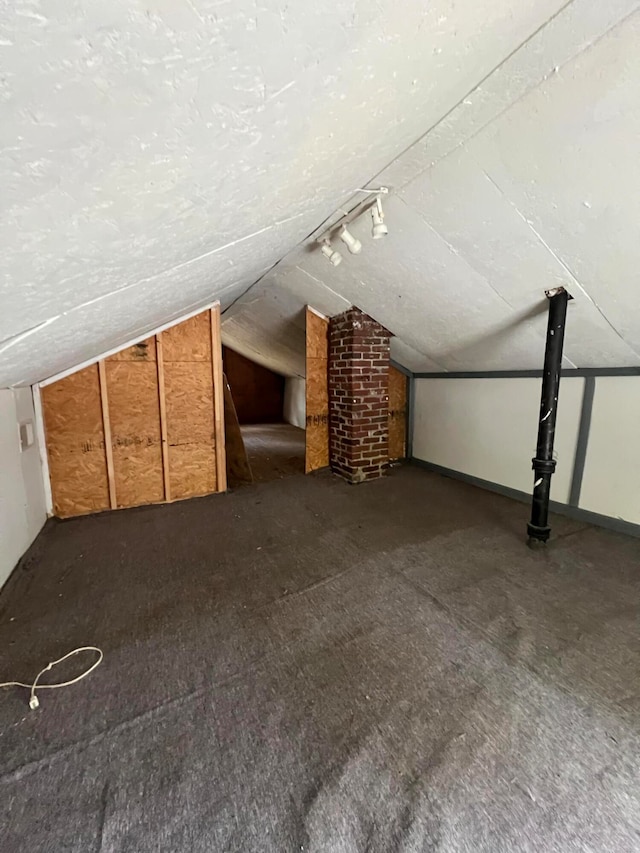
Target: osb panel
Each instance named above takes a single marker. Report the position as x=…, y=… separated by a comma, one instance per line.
x=317, y=386
x=75, y=444
x=189, y=341
x=317, y=393
x=73, y=417
x=134, y=413
x=317, y=335
x=193, y=470
x=189, y=402
x=190, y=426
x=316, y=446
x=138, y=475
x=144, y=351
x=397, y=414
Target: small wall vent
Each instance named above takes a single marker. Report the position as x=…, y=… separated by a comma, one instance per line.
x=26, y=435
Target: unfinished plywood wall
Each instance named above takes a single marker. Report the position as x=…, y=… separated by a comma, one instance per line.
x=145, y=425
x=188, y=391
x=76, y=444
x=317, y=392
x=397, y=414
x=134, y=419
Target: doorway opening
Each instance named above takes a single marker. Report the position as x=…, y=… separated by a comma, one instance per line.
x=269, y=416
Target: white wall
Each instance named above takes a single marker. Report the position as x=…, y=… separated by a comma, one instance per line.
x=611, y=481
x=294, y=410
x=22, y=500
x=487, y=428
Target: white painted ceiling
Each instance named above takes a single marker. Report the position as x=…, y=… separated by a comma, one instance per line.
x=159, y=155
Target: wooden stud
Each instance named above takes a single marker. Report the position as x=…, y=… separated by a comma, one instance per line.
x=104, y=423
x=108, y=447
x=218, y=400
x=163, y=418
x=42, y=448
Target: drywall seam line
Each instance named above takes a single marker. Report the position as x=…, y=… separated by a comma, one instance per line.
x=583, y=440
x=23, y=334
x=16, y=339
x=559, y=260
x=153, y=277
x=215, y=251
x=608, y=522
x=194, y=9
x=530, y=88
x=478, y=85
x=42, y=448
x=454, y=250
x=525, y=319
x=530, y=374
x=149, y=334
x=249, y=287
x=322, y=284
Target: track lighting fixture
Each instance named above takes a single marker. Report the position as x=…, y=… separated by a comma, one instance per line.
x=379, y=228
x=340, y=227
x=333, y=256
x=372, y=190
x=352, y=243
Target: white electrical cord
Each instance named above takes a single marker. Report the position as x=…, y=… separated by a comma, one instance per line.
x=33, y=699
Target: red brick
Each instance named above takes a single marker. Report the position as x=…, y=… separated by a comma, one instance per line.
x=358, y=396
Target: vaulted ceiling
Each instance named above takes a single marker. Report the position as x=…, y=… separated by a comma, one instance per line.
x=157, y=156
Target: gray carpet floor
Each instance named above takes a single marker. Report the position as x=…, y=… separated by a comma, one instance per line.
x=275, y=451
x=304, y=665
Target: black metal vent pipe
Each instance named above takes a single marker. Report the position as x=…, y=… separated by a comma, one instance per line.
x=543, y=463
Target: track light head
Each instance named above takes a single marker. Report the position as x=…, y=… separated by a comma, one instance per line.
x=352, y=243
x=333, y=256
x=379, y=228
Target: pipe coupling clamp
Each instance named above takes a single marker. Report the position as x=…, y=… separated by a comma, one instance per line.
x=543, y=466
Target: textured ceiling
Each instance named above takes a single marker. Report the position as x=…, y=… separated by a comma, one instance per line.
x=533, y=181
x=157, y=156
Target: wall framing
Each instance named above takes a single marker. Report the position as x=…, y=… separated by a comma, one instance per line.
x=144, y=425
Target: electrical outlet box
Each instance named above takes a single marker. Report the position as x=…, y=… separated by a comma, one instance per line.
x=26, y=435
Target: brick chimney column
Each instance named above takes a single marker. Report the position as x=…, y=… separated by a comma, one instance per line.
x=358, y=396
